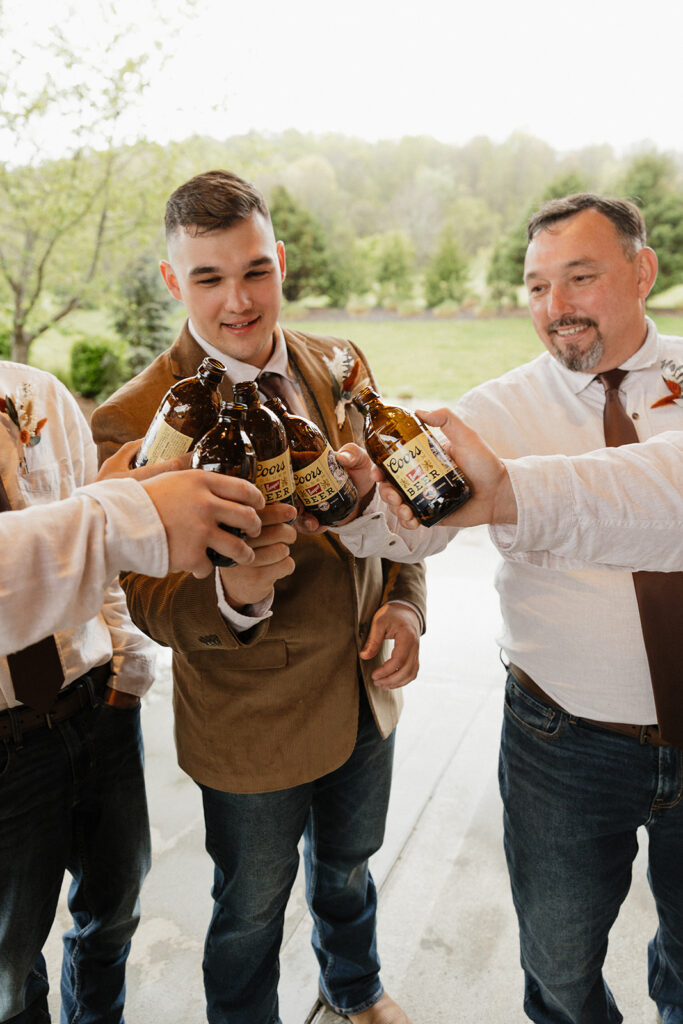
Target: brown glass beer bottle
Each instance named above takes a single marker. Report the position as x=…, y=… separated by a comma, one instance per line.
x=226, y=448
x=274, y=476
x=186, y=412
x=323, y=487
x=412, y=459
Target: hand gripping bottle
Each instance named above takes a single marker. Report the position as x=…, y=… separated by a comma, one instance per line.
x=412, y=459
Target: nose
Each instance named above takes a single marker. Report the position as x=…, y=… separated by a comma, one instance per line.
x=559, y=303
x=236, y=298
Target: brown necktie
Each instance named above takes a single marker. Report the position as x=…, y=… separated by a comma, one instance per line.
x=37, y=673
x=275, y=385
x=659, y=594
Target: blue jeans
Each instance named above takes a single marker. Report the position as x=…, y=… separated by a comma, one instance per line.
x=252, y=839
x=72, y=798
x=573, y=796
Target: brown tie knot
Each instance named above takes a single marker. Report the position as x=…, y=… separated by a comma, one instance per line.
x=611, y=379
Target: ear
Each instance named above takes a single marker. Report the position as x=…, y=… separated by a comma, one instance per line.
x=170, y=279
x=282, y=259
x=647, y=265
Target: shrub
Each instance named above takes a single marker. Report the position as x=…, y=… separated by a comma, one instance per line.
x=96, y=369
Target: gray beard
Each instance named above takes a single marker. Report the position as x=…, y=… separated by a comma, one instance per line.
x=576, y=359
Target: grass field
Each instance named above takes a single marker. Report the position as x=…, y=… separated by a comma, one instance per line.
x=440, y=360
x=435, y=360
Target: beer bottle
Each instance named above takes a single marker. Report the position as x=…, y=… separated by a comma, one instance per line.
x=226, y=448
x=274, y=477
x=412, y=459
x=322, y=485
x=187, y=410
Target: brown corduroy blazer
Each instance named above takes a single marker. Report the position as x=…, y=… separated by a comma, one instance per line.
x=278, y=706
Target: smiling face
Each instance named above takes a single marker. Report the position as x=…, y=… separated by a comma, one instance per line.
x=230, y=282
x=586, y=295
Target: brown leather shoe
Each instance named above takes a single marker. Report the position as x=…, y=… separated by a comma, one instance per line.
x=384, y=1011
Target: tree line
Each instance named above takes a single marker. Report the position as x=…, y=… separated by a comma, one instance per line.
x=407, y=225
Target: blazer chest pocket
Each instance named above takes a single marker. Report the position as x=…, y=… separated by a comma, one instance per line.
x=260, y=657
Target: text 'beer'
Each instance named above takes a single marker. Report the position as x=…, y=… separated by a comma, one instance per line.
x=186, y=412
x=323, y=487
x=226, y=448
x=412, y=459
x=274, y=476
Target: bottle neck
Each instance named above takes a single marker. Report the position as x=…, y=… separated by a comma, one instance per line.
x=246, y=393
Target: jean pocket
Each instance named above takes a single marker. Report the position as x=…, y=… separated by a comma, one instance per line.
x=530, y=712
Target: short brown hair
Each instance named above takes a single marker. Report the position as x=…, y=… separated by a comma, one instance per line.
x=212, y=201
x=625, y=215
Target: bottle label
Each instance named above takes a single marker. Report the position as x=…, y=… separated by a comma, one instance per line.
x=167, y=443
x=275, y=479
x=319, y=481
x=420, y=468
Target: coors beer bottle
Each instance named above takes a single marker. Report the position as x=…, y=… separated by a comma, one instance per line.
x=323, y=486
x=412, y=459
x=274, y=477
x=187, y=410
x=226, y=448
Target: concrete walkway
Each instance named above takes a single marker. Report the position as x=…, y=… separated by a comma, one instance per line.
x=447, y=930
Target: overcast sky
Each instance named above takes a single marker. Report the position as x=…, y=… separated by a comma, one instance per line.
x=572, y=74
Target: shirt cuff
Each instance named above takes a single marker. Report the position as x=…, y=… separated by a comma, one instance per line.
x=252, y=614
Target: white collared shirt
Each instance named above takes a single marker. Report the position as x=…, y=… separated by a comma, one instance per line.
x=575, y=630
x=63, y=460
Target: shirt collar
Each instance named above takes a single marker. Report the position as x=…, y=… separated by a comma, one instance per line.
x=237, y=370
x=642, y=358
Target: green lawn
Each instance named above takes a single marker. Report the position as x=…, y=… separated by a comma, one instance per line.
x=441, y=359
x=436, y=360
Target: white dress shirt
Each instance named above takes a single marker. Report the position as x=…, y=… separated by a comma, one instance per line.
x=63, y=460
x=619, y=506
x=574, y=628
x=76, y=547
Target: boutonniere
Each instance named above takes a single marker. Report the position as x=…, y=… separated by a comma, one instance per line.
x=344, y=370
x=22, y=414
x=673, y=383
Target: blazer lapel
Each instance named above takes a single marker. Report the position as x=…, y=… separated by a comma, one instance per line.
x=307, y=364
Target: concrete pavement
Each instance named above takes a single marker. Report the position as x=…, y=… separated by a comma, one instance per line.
x=447, y=930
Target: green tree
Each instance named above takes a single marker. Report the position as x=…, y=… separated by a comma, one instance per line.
x=394, y=261
x=308, y=266
x=506, y=267
x=653, y=181
x=446, y=276
x=60, y=217
x=141, y=313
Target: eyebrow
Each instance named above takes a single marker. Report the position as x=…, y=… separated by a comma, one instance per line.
x=585, y=261
x=260, y=262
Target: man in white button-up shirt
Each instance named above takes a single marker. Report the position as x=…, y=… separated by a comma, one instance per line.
x=72, y=795
x=575, y=779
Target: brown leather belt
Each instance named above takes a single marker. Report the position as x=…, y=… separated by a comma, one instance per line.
x=645, y=734
x=16, y=722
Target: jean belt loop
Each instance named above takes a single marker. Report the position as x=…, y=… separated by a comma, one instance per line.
x=17, y=734
x=87, y=680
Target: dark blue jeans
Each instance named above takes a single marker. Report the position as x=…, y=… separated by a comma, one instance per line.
x=253, y=839
x=72, y=798
x=574, y=795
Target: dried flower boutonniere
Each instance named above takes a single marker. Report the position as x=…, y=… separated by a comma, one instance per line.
x=21, y=413
x=345, y=371
x=672, y=375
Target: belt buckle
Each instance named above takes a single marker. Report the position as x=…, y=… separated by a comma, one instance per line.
x=48, y=720
x=645, y=739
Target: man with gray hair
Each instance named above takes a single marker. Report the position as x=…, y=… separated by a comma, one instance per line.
x=591, y=651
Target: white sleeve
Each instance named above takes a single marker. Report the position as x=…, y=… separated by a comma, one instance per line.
x=620, y=507
x=75, y=548
x=378, y=533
